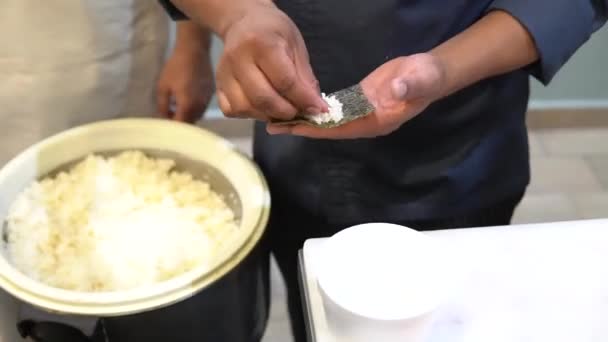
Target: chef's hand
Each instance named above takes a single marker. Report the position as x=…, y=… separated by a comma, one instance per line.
x=399, y=90
x=264, y=72
x=186, y=81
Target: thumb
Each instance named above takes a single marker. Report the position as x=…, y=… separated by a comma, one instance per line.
x=404, y=89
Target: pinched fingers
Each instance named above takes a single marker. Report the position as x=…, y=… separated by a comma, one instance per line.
x=292, y=78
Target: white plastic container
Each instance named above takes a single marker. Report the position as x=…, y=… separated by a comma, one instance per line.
x=381, y=282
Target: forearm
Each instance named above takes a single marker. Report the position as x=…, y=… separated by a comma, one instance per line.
x=495, y=45
x=192, y=39
x=216, y=15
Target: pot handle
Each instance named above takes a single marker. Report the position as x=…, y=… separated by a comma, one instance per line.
x=51, y=332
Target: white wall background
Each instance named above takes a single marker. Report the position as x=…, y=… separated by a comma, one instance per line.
x=582, y=83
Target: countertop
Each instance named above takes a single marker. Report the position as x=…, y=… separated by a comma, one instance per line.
x=522, y=283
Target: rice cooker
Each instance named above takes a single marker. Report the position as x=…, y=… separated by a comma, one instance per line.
x=228, y=301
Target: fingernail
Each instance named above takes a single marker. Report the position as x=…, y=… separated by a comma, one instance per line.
x=399, y=87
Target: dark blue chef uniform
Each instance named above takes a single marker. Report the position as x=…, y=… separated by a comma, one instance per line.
x=462, y=162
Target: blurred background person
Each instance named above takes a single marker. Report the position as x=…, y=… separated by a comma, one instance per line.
x=65, y=63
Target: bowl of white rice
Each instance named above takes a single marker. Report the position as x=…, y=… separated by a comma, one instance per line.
x=125, y=216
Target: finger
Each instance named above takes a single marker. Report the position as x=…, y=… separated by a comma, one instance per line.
x=262, y=95
x=185, y=107
x=163, y=100
x=274, y=129
x=399, y=96
x=233, y=102
x=405, y=89
x=282, y=73
x=304, y=69
x=223, y=103
x=223, y=79
x=226, y=86
x=414, y=84
x=367, y=127
x=236, y=103
x=343, y=132
x=377, y=89
x=392, y=95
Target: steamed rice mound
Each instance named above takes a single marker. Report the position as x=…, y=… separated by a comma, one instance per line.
x=115, y=224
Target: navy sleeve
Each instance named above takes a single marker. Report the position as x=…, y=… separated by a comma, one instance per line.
x=173, y=11
x=558, y=27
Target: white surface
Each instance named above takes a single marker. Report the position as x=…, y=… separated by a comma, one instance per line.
x=525, y=283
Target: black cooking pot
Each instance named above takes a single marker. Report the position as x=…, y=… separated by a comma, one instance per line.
x=235, y=308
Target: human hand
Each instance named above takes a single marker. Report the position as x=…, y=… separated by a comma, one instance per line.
x=399, y=90
x=264, y=72
x=187, y=81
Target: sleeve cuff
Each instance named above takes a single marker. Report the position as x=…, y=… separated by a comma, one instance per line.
x=558, y=27
x=173, y=11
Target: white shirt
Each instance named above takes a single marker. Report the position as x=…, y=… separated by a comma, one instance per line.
x=68, y=62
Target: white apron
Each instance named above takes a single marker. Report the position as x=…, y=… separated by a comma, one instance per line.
x=69, y=62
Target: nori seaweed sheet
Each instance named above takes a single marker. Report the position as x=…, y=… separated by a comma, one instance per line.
x=355, y=106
